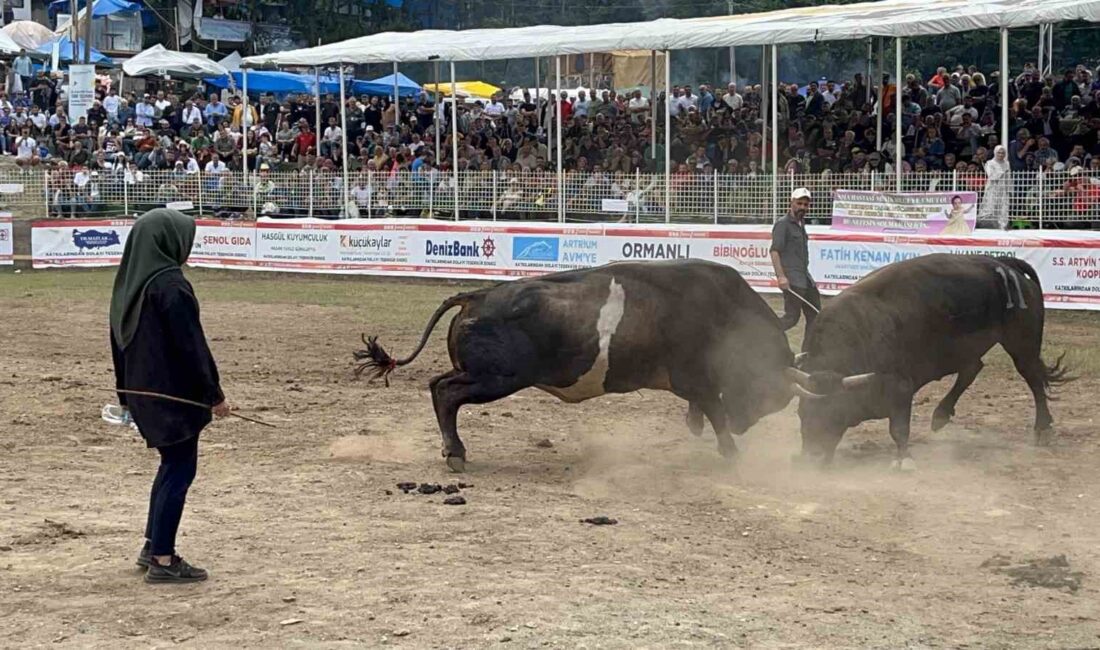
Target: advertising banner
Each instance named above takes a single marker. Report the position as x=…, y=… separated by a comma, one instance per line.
x=226, y=243
x=78, y=243
x=1068, y=262
x=81, y=91
x=7, y=252
x=916, y=213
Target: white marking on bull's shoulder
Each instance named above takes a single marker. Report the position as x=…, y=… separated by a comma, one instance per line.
x=591, y=383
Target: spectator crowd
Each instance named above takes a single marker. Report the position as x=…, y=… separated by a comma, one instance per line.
x=950, y=124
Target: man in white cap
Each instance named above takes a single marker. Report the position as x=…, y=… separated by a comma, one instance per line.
x=790, y=254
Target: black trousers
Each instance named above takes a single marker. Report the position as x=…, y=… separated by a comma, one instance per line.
x=792, y=306
x=178, y=464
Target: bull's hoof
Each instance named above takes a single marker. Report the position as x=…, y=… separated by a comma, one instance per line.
x=903, y=465
x=728, y=449
x=940, y=420
x=457, y=464
x=695, y=421
x=1043, y=437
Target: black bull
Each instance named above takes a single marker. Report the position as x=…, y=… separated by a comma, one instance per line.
x=914, y=322
x=691, y=327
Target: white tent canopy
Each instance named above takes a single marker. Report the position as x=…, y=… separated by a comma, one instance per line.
x=232, y=62
x=888, y=18
x=8, y=45
x=28, y=34
x=159, y=61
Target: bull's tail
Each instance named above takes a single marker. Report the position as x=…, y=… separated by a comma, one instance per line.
x=374, y=357
x=1055, y=374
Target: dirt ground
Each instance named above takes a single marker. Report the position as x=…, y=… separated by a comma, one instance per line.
x=311, y=544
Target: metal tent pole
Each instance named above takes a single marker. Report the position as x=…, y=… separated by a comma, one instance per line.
x=396, y=102
x=1042, y=47
x=897, y=115
x=454, y=136
x=653, y=103
x=1004, y=86
x=344, y=141
x=558, y=126
x=881, y=95
x=244, y=126
x=870, y=58
x=317, y=106
x=775, y=133
x=668, y=136
x=764, y=109
x=435, y=112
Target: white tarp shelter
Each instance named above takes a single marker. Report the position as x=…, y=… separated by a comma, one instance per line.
x=28, y=34
x=158, y=60
x=8, y=45
x=888, y=18
x=232, y=62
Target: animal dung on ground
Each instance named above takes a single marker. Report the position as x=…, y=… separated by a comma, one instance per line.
x=600, y=521
x=1050, y=572
x=411, y=487
x=545, y=443
x=457, y=500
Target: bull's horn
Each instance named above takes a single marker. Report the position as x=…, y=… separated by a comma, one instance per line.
x=800, y=357
x=803, y=393
x=855, y=381
x=797, y=376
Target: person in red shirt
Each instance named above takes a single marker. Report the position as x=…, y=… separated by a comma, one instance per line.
x=306, y=141
x=566, y=109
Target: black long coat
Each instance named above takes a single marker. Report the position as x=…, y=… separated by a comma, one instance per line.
x=168, y=355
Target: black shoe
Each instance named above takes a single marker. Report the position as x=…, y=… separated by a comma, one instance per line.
x=178, y=571
x=145, y=557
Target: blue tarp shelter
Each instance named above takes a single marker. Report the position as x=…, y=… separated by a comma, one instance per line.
x=384, y=86
x=100, y=8
x=103, y=8
x=277, y=82
x=65, y=52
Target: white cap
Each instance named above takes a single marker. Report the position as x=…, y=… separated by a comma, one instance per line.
x=800, y=193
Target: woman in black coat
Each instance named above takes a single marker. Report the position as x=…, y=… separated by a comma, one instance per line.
x=158, y=346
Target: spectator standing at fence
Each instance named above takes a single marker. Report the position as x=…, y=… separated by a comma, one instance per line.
x=215, y=111
x=111, y=104
x=22, y=67
x=144, y=112
x=158, y=344
x=331, y=144
x=997, y=189
x=1064, y=91
x=790, y=256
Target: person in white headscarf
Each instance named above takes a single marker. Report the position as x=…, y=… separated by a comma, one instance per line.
x=997, y=188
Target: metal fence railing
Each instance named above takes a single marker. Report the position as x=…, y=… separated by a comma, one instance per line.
x=1025, y=199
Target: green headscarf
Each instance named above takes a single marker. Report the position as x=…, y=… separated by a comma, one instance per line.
x=159, y=241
